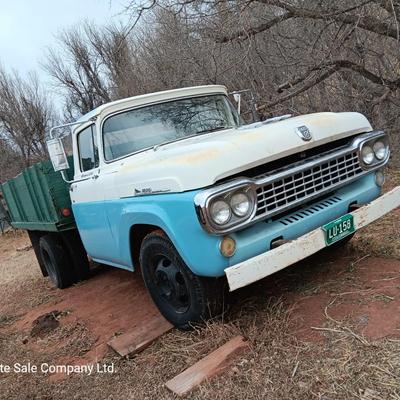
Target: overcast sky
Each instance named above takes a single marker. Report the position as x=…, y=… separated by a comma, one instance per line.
x=27, y=27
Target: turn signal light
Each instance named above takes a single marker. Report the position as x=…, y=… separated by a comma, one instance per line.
x=227, y=246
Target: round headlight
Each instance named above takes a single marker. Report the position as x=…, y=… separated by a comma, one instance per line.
x=380, y=150
x=240, y=204
x=367, y=155
x=220, y=212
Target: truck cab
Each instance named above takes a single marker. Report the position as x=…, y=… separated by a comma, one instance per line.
x=174, y=183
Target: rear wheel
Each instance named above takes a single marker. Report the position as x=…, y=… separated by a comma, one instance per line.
x=182, y=297
x=56, y=261
x=34, y=237
x=77, y=253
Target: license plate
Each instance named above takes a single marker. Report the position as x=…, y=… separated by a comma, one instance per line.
x=338, y=229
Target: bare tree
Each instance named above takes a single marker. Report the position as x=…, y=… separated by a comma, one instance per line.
x=26, y=116
x=78, y=70
x=297, y=56
x=10, y=161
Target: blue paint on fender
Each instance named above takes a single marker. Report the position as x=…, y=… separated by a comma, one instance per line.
x=105, y=227
x=173, y=213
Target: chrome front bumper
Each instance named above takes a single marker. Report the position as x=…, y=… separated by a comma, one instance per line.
x=272, y=261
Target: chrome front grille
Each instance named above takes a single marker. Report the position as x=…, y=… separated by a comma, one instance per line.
x=302, y=183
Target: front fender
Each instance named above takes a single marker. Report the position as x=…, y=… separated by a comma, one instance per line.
x=176, y=216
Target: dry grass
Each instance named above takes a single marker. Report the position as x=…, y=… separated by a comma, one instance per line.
x=6, y=319
x=72, y=340
x=381, y=238
x=20, y=277
x=278, y=366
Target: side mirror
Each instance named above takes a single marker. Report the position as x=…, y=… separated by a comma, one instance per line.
x=238, y=98
x=237, y=95
x=57, y=154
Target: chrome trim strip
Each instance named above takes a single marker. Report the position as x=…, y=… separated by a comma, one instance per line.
x=69, y=124
x=203, y=199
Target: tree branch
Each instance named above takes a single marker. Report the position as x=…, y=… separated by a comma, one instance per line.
x=327, y=69
x=302, y=89
x=246, y=33
x=342, y=64
x=366, y=22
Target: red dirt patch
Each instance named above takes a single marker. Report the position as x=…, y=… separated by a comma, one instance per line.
x=111, y=302
x=368, y=299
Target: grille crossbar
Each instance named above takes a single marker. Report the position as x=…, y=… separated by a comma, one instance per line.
x=299, y=184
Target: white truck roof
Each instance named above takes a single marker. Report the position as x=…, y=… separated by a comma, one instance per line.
x=153, y=98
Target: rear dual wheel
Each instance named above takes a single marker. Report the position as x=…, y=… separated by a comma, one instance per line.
x=56, y=261
x=184, y=299
x=64, y=258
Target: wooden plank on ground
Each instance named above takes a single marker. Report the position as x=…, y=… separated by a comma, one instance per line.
x=141, y=337
x=214, y=363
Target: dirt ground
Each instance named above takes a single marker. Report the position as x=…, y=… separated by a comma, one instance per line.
x=326, y=328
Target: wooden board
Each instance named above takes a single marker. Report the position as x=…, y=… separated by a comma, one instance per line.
x=214, y=363
x=140, y=337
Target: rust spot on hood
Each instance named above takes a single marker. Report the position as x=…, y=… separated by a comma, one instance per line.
x=320, y=119
x=196, y=157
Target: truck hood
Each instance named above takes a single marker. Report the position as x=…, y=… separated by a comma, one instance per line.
x=200, y=161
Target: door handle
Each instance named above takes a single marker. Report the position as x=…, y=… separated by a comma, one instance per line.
x=95, y=176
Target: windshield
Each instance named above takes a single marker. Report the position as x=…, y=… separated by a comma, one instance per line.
x=145, y=127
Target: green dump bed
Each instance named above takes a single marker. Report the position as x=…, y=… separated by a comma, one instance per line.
x=36, y=199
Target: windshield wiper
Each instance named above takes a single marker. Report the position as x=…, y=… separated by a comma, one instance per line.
x=217, y=128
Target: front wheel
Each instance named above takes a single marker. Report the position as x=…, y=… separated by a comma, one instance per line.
x=183, y=298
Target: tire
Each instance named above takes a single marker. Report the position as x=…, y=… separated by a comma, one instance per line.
x=34, y=237
x=183, y=298
x=77, y=253
x=56, y=261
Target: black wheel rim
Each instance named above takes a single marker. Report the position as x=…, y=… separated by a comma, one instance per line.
x=171, y=284
x=49, y=266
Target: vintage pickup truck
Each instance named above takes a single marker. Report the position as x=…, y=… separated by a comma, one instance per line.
x=175, y=182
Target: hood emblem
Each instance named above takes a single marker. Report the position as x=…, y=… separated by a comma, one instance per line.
x=304, y=133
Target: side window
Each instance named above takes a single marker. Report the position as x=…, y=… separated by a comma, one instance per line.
x=88, y=151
